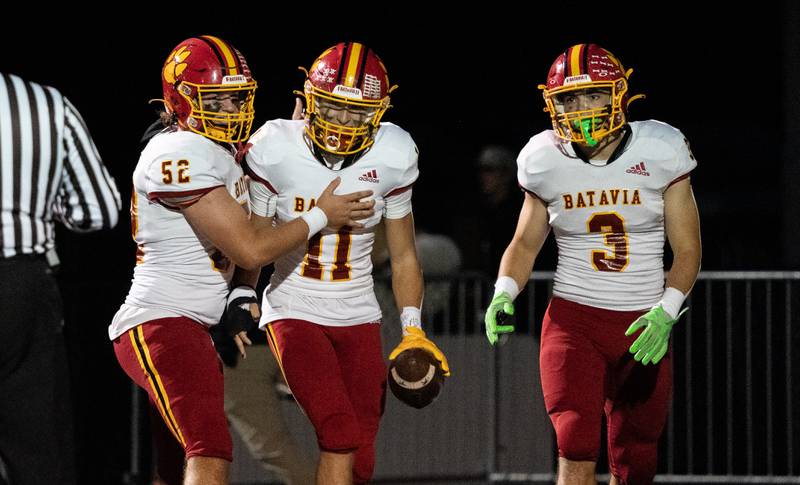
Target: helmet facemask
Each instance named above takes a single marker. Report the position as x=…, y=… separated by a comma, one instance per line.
x=339, y=124
x=221, y=112
x=587, y=125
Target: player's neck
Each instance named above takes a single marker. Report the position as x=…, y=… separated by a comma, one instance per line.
x=603, y=150
x=332, y=161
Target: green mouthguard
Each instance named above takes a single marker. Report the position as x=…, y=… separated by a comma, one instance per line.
x=585, y=126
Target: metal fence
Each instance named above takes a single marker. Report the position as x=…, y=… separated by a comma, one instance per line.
x=734, y=415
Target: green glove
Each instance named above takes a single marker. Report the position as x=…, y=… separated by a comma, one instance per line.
x=500, y=308
x=653, y=342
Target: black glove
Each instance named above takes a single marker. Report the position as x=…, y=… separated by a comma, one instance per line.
x=237, y=316
x=234, y=320
x=225, y=347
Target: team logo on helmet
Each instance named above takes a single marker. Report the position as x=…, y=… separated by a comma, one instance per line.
x=173, y=69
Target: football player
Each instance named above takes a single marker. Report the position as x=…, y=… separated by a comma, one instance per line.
x=320, y=310
x=190, y=224
x=612, y=191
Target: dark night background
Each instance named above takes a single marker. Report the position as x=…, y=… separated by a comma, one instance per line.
x=727, y=78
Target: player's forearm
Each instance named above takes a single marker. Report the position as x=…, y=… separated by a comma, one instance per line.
x=517, y=263
x=407, y=284
x=685, y=266
x=269, y=243
x=242, y=276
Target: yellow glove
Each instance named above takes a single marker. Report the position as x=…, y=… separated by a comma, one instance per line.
x=415, y=338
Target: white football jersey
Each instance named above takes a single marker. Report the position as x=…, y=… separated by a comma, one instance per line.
x=178, y=272
x=608, y=220
x=329, y=280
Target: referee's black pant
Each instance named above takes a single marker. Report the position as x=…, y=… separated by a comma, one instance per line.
x=35, y=411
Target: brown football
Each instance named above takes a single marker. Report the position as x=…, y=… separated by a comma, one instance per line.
x=416, y=377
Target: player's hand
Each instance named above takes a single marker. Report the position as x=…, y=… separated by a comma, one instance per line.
x=653, y=342
x=347, y=209
x=415, y=338
x=241, y=314
x=497, y=317
x=299, y=112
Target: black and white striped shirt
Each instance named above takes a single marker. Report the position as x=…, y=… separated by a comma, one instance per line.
x=49, y=170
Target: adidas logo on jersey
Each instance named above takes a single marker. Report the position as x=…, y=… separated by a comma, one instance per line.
x=638, y=169
x=371, y=176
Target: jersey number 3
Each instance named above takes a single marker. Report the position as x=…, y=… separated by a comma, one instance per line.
x=612, y=225
x=340, y=270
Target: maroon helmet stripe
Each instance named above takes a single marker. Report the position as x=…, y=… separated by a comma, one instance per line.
x=237, y=59
x=363, y=68
x=216, y=51
x=234, y=53
x=578, y=52
x=345, y=50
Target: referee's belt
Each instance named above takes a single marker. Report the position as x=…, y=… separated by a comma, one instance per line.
x=50, y=258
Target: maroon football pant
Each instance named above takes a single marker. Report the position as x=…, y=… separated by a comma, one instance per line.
x=174, y=360
x=337, y=375
x=586, y=371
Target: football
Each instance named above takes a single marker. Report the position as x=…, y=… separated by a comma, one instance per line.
x=416, y=377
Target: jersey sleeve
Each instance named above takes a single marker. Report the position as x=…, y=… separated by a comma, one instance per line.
x=684, y=161
x=406, y=169
x=259, y=158
x=398, y=198
x=263, y=199
x=179, y=177
x=398, y=206
x=531, y=167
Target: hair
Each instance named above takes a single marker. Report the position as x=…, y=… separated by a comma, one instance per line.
x=168, y=118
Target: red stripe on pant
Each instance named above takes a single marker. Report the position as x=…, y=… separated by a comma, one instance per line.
x=586, y=371
x=174, y=360
x=338, y=376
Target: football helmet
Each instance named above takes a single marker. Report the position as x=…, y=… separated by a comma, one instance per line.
x=347, y=93
x=209, y=89
x=582, y=68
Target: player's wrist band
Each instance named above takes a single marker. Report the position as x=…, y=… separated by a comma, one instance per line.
x=411, y=317
x=316, y=220
x=671, y=301
x=242, y=290
x=506, y=284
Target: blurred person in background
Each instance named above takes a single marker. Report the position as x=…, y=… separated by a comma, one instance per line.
x=484, y=229
x=254, y=391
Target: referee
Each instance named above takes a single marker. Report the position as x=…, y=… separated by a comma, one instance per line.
x=49, y=170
